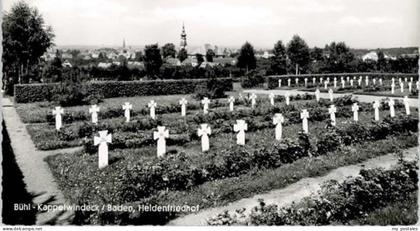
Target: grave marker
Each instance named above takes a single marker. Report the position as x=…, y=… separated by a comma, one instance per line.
x=410, y=86
x=391, y=104
x=204, y=133
x=271, y=96
x=160, y=135
x=127, y=107
x=392, y=88
x=304, y=115
x=332, y=110
x=58, y=119
x=205, y=103
x=231, y=100
x=317, y=92
x=406, y=105
x=183, y=103
x=253, y=97
x=355, y=109
x=278, y=120
x=241, y=126
x=279, y=82
x=287, y=96
x=330, y=93
x=402, y=87
x=103, y=140
x=376, y=105
x=289, y=81
x=94, y=111
x=152, y=105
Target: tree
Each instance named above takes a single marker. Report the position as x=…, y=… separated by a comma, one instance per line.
x=339, y=58
x=25, y=40
x=278, y=63
x=138, y=56
x=199, y=58
x=152, y=60
x=317, y=54
x=381, y=64
x=168, y=50
x=298, y=53
x=182, y=55
x=246, y=57
x=209, y=55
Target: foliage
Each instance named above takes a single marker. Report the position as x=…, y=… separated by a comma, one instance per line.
x=252, y=79
x=182, y=55
x=246, y=57
x=298, y=53
x=278, y=63
x=209, y=55
x=168, y=50
x=152, y=60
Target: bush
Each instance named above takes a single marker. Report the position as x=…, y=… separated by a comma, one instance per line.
x=252, y=80
x=74, y=93
x=25, y=93
x=215, y=88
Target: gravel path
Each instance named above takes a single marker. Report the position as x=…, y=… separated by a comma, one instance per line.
x=37, y=176
x=296, y=191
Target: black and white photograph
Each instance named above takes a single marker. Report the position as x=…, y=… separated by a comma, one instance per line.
x=166, y=113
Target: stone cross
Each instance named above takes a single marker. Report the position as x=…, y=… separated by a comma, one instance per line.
x=393, y=80
x=355, y=109
x=410, y=86
x=367, y=80
x=417, y=85
x=376, y=105
x=160, y=135
x=287, y=96
x=204, y=133
x=399, y=80
x=289, y=81
x=335, y=82
x=271, y=96
x=205, y=103
x=152, y=105
x=279, y=82
x=374, y=81
x=306, y=82
x=332, y=110
x=304, y=115
x=183, y=102
x=392, y=88
x=313, y=80
x=343, y=83
x=278, y=120
x=297, y=81
x=127, y=107
x=328, y=79
x=405, y=79
x=231, y=100
x=253, y=97
x=348, y=78
x=241, y=126
x=94, y=111
x=402, y=86
x=320, y=80
x=351, y=82
x=380, y=81
x=359, y=82
x=103, y=140
x=325, y=85
x=317, y=94
x=391, y=104
x=411, y=79
x=57, y=112
x=330, y=92
x=406, y=105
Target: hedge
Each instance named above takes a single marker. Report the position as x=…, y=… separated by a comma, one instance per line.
x=273, y=80
x=26, y=93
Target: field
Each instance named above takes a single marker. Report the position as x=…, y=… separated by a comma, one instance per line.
x=227, y=172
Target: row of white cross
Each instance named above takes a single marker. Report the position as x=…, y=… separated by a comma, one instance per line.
x=240, y=127
x=351, y=81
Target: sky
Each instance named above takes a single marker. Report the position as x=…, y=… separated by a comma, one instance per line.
x=359, y=23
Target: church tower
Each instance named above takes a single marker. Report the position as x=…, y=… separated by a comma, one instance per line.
x=183, y=43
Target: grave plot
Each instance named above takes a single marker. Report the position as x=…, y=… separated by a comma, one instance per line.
x=365, y=85
x=185, y=173
x=374, y=194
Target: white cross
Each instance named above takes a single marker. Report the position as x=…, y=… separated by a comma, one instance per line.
x=374, y=81
x=205, y=103
x=102, y=141
x=94, y=111
x=320, y=80
x=406, y=105
x=183, y=102
x=241, y=126
x=355, y=109
x=359, y=82
x=279, y=82
x=348, y=78
x=253, y=97
x=351, y=82
x=380, y=81
x=287, y=96
x=402, y=86
x=330, y=92
x=391, y=104
x=304, y=115
x=57, y=112
x=160, y=135
x=278, y=120
x=231, y=100
x=325, y=85
x=417, y=85
x=204, y=133
x=376, y=107
x=367, y=80
x=393, y=80
x=411, y=79
x=317, y=94
x=127, y=107
x=313, y=80
x=271, y=96
x=306, y=82
x=392, y=88
x=332, y=110
x=405, y=79
x=328, y=79
x=289, y=82
x=152, y=105
x=410, y=86
x=399, y=80
x=297, y=81
x=335, y=82
x=343, y=83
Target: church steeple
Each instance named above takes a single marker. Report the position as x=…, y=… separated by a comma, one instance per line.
x=183, y=42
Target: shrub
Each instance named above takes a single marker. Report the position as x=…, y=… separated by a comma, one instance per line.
x=214, y=88
x=252, y=80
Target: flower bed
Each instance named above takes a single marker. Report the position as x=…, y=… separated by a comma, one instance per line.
x=337, y=203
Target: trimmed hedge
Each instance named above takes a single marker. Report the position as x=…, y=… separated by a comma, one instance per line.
x=273, y=80
x=26, y=93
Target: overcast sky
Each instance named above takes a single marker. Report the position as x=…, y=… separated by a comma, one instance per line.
x=360, y=23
